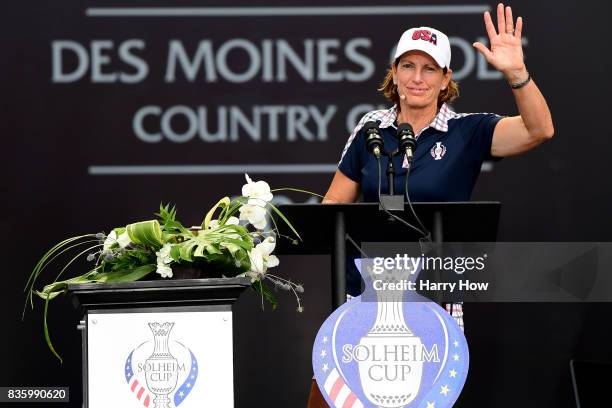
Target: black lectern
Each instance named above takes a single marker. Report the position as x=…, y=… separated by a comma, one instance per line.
x=324, y=228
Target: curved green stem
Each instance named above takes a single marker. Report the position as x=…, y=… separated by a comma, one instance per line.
x=297, y=190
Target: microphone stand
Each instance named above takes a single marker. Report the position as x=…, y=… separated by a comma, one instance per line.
x=391, y=201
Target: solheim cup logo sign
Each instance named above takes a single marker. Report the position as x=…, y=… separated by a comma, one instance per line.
x=161, y=373
x=390, y=347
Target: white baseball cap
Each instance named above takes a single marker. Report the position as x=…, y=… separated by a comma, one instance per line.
x=426, y=39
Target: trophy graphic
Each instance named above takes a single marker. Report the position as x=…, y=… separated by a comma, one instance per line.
x=161, y=366
x=390, y=357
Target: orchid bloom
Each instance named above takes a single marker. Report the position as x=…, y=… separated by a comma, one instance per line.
x=257, y=192
x=261, y=259
x=254, y=214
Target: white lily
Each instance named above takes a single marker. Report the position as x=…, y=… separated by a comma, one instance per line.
x=254, y=214
x=258, y=192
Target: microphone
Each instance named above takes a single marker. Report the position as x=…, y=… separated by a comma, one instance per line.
x=407, y=141
x=374, y=140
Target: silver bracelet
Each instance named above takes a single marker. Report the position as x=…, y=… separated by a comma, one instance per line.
x=521, y=84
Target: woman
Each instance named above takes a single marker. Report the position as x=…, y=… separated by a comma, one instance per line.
x=450, y=147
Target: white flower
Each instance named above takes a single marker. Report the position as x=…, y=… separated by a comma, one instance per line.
x=254, y=214
x=164, y=260
x=261, y=259
x=230, y=221
x=266, y=246
x=163, y=255
x=258, y=266
x=164, y=270
x=124, y=240
x=258, y=192
x=272, y=261
x=110, y=240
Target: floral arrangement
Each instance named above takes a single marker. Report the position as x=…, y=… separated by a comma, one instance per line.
x=235, y=242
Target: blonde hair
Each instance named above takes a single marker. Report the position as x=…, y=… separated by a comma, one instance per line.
x=389, y=89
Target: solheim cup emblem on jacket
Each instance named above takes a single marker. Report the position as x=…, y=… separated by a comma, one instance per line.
x=161, y=373
x=438, y=151
x=390, y=348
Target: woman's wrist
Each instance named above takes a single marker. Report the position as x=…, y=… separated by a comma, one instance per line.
x=517, y=78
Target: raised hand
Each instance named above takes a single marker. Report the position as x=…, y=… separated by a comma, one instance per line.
x=506, y=53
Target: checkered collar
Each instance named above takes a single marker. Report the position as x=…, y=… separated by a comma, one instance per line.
x=440, y=122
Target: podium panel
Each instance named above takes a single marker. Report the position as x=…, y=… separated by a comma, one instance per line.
x=158, y=344
x=160, y=359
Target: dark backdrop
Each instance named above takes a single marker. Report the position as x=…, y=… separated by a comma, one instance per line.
x=58, y=134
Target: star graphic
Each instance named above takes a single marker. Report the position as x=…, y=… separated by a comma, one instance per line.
x=431, y=405
x=323, y=353
x=456, y=357
x=325, y=368
x=129, y=375
x=324, y=339
x=444, y=390
x=181, y=394
x=188, y=385
x=453, y=373
x=194, y=368
x=192, y=377
x=456, y=343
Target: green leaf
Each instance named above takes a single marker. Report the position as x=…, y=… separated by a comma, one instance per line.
x=119, y=230
x=233, y=207
x=48, y=295
x=211, y=249
x=175, y=252
x=223, y=203
x=231, y=247
x=46, y=331
x=52, y=254
x=49, y=257
x=185, y=250
x=146, y=233
x=246, y=245
x=125, y=275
